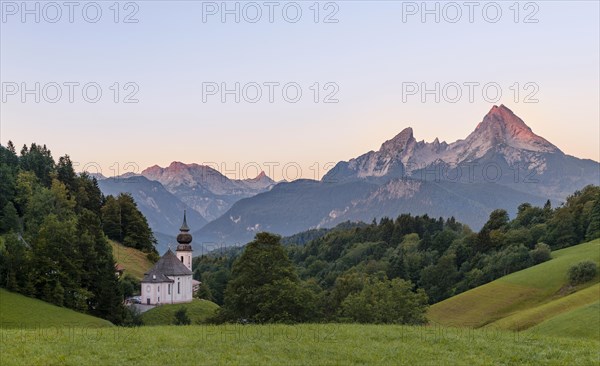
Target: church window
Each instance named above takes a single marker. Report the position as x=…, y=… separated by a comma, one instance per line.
x=159, y=288
x=169, y=288
x=181, y=259
x=178, y=287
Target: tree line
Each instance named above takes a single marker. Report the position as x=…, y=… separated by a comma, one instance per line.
x=54, y=226
x=387, y=271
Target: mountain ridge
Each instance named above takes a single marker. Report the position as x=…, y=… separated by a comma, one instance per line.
x=500, y=164
x=204, y=188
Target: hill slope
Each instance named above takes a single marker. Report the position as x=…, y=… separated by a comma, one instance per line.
x=524, y=299
x=197, y=310
x=18, y=311
x=581, y=322
x=134, y=261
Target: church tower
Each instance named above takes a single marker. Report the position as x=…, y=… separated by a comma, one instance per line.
x=184, y=249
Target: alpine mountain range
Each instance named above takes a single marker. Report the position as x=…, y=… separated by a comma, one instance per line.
x=501, y=164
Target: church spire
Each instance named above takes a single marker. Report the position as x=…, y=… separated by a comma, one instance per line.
x=184, y=238
x=184, y=227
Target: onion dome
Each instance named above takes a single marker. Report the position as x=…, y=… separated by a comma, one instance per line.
x=184, y=238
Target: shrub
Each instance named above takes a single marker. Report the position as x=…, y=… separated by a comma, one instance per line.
x=129, y=285
x=386, y=301
x=540, y=253
x=181, y=317
x=133, y=317
x=582, y=272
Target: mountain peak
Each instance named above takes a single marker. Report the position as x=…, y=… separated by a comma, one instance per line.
x=400, y=141
x=501, y=126
x=178, y=165
x=503, y=116
x=261, y=175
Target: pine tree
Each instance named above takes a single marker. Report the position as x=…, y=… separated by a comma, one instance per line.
x=111, y=219
x=99, y=269
x=136, y=231
x=593, y=229
x=89, y=195
x=10, y=219
x=38, y=159
x=11, y=147
x=66, y=174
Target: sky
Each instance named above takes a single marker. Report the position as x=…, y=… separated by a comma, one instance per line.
x=127, y=86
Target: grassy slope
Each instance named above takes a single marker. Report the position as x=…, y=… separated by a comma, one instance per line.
x=527, y=318
x=522, y=299
x=134, y=261
x=198, y=310
x=18, y=311
x=306, y=344
x=581, y=322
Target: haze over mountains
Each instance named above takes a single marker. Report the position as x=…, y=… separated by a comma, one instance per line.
x=205, y=189
x=501, y=164
x=163, y=193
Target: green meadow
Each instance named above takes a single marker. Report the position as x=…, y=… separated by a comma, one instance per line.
x=528, y=317
x=329, y=344
x=22, y=312
x=537, y=298
x=581, y=322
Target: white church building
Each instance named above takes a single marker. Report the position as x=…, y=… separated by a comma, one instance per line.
x=170, y=280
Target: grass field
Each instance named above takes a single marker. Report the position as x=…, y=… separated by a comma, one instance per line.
x=530, y=317
x=20, y=312
x=581, y=322
x=291, y=345
x=198, y=310
x=134, y=261
x=526, y=298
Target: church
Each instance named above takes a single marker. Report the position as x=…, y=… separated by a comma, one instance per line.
x=170, y=280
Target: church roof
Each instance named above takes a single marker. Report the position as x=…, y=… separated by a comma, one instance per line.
x=156, y=278
x=167, y=265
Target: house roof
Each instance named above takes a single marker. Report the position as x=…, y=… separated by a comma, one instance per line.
x=167, y=265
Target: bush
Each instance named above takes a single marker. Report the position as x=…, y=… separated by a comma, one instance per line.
x=540, y=253
x=133, y=317
x=129, y=285
x=383, y=301
x=582, y=272
x=181, y=317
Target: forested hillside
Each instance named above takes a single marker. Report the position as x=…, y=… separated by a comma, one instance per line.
x=54, y=226
x=441, y=257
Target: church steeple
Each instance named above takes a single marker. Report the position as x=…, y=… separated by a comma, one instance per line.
x=184, y=238
x=184, y=248
x=184, y=227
